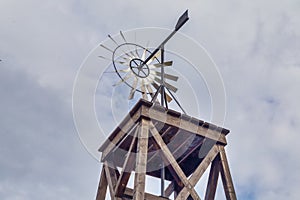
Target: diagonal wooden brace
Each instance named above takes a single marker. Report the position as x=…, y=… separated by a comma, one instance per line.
x=170, y=158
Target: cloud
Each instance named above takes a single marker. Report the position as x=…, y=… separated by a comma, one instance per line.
x=40, y=150
x=255, y=44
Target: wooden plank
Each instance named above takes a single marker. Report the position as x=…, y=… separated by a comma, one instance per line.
x=152, y=147
x=199, y=172
x=148, y=196
x=109, y=179
x=213, y=179
x=169, y=190
x=226, y=176
x=183, y=123
x=127, y=168
x=204, y=165
x=168, y=155
x=141, y=161
x=102, y=188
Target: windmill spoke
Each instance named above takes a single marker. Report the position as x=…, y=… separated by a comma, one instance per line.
x=144, y=54
x=168, y=76
x=108, y=49
x=124, y=70
x=113, y=40
x=123, y=37
x=104, y=58
x=171, y=87
x=131, y=52
x=149, y=89
x=133, y=89
x=136, y=51
x=143, y=72
x=128, y=76
x=143, y=88
x=155, y=85
x=165, y=64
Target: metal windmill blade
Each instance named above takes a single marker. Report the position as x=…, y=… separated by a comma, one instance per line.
x=139, y=68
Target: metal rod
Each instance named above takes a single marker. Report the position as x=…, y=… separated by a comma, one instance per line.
x=162, y=94
x=181, y=21
x=162, y=176
x=162, y=170
x=176, y=101
x=155, y=95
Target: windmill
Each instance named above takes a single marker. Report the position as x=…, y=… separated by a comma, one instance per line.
x=154, y=140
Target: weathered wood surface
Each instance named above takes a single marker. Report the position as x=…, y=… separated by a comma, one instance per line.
x=184, y=193
x=111, y=177
x=184, y=123
x=102, y=188
x=127, y=167
x=172, y=161
x=226, y=176
x=151, y=111
x=213, y=179
x=148, y=196
x=141, y=122
x=169, y=190
x=141, y=162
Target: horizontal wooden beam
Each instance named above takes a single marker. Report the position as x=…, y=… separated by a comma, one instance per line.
x=148, y=196
x=184, y=123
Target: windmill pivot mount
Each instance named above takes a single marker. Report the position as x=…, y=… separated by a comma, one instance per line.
x=139, y=68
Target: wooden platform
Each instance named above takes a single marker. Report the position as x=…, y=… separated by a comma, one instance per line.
x=151, y=137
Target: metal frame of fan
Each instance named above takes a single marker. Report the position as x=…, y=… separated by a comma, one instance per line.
x=143, y=70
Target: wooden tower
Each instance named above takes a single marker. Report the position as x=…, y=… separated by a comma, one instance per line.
x=162, y=143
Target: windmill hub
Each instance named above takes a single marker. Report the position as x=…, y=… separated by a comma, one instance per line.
x=139, y=68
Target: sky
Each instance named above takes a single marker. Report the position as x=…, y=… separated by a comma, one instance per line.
x=255, y=45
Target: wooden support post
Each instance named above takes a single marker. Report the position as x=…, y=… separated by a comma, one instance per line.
x=102, y=188
x=128, y=166
x=169, y=189
x=184, y=145
x=213, y=179
x=226, y=176
x=141, y=161
x=112, y=179
x=109, y=179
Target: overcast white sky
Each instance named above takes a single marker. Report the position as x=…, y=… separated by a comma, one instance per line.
x=255, y=44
